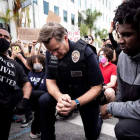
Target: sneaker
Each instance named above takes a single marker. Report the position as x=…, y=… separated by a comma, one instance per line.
x=34, y=136
x=16, y=119
x=26, y=122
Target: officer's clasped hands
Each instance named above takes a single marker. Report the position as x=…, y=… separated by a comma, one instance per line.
x=64, y=105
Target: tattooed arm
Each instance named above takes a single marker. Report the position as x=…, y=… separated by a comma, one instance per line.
x=27, y=89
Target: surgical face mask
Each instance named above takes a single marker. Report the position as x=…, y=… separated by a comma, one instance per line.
x=4, y=45
x=102, y=59
x=37, y=67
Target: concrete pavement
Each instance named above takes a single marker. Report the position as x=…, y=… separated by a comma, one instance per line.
x=70, y=129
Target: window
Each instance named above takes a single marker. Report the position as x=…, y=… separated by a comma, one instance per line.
x=46, y=7
x=65, y=15
x=103, y=1
x=72, y=1
x=72, y=19
x=85, y=5
x=109, y=5
x=79, y=3
x=35, y=1
x=56, y=10
x=91, y=7
x=106, y=3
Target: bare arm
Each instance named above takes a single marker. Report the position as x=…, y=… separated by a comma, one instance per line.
x=113, y=80
x=27, y=89
x=114, y=57
x=90, y=95
x=21, y=45
x=53, y=89
x=38, y=51
x=84, y=99
x=24, y=61
x=33, y=48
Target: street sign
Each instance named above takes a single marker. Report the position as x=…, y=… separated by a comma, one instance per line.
x=25, y=3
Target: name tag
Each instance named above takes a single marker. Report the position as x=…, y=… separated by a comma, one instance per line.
x=54, y=62
x=76, y=73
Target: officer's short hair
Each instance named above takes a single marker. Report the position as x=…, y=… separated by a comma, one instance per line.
x=51, y=30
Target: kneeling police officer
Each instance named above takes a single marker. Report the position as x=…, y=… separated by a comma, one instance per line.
x=73, y=80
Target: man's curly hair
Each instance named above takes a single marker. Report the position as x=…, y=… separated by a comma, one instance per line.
x=128, y=12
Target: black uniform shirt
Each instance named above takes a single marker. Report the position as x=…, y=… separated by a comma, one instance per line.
x=11, y=77
x=93, y=71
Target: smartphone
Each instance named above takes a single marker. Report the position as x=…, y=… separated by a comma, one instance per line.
x=16, y=48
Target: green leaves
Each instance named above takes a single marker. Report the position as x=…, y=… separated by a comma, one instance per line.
x=83, y=30
x=88, y=18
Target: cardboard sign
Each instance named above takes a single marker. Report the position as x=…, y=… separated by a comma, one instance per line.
x=28, y=33
x=53, y=17
x=74, y=35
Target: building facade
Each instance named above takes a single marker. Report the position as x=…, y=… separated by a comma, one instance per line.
x=67, y=10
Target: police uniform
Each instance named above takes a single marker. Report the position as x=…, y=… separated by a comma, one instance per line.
x=75, y=73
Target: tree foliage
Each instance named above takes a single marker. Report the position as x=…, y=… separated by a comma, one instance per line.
x=100, y=33
x=83, y=30
x=89, y=18
x=6, y=17
x=19, y=13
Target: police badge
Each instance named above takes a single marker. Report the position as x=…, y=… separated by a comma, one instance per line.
x=75, y=56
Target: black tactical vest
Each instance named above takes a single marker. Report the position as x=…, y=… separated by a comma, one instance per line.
x=70, y=72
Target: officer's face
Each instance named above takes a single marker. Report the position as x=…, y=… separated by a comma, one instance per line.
x=129, y=39
x=58, y=49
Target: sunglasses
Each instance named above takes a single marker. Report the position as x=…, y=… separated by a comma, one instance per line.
x=5, y=36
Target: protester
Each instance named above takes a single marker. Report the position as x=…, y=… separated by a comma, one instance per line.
x=109, y=73
x=38, y=81
x=12, y=77
x=127, y=110
x=27, y=48
x=90, y=40
x=71, y=82
x=18, y=55
x=107, y=44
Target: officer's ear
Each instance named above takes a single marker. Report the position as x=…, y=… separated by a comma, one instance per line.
x=66, y=39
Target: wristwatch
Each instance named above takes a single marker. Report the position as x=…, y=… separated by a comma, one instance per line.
x=77, y=104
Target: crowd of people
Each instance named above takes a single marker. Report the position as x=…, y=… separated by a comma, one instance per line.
x=63, y=76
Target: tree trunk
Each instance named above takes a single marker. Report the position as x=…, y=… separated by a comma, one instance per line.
x=6, y=27
x=90, y=31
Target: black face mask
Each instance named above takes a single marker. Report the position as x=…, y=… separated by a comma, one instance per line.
x=4, y=45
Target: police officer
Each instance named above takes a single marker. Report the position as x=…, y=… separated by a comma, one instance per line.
x=73, y=80
x=12, y=77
